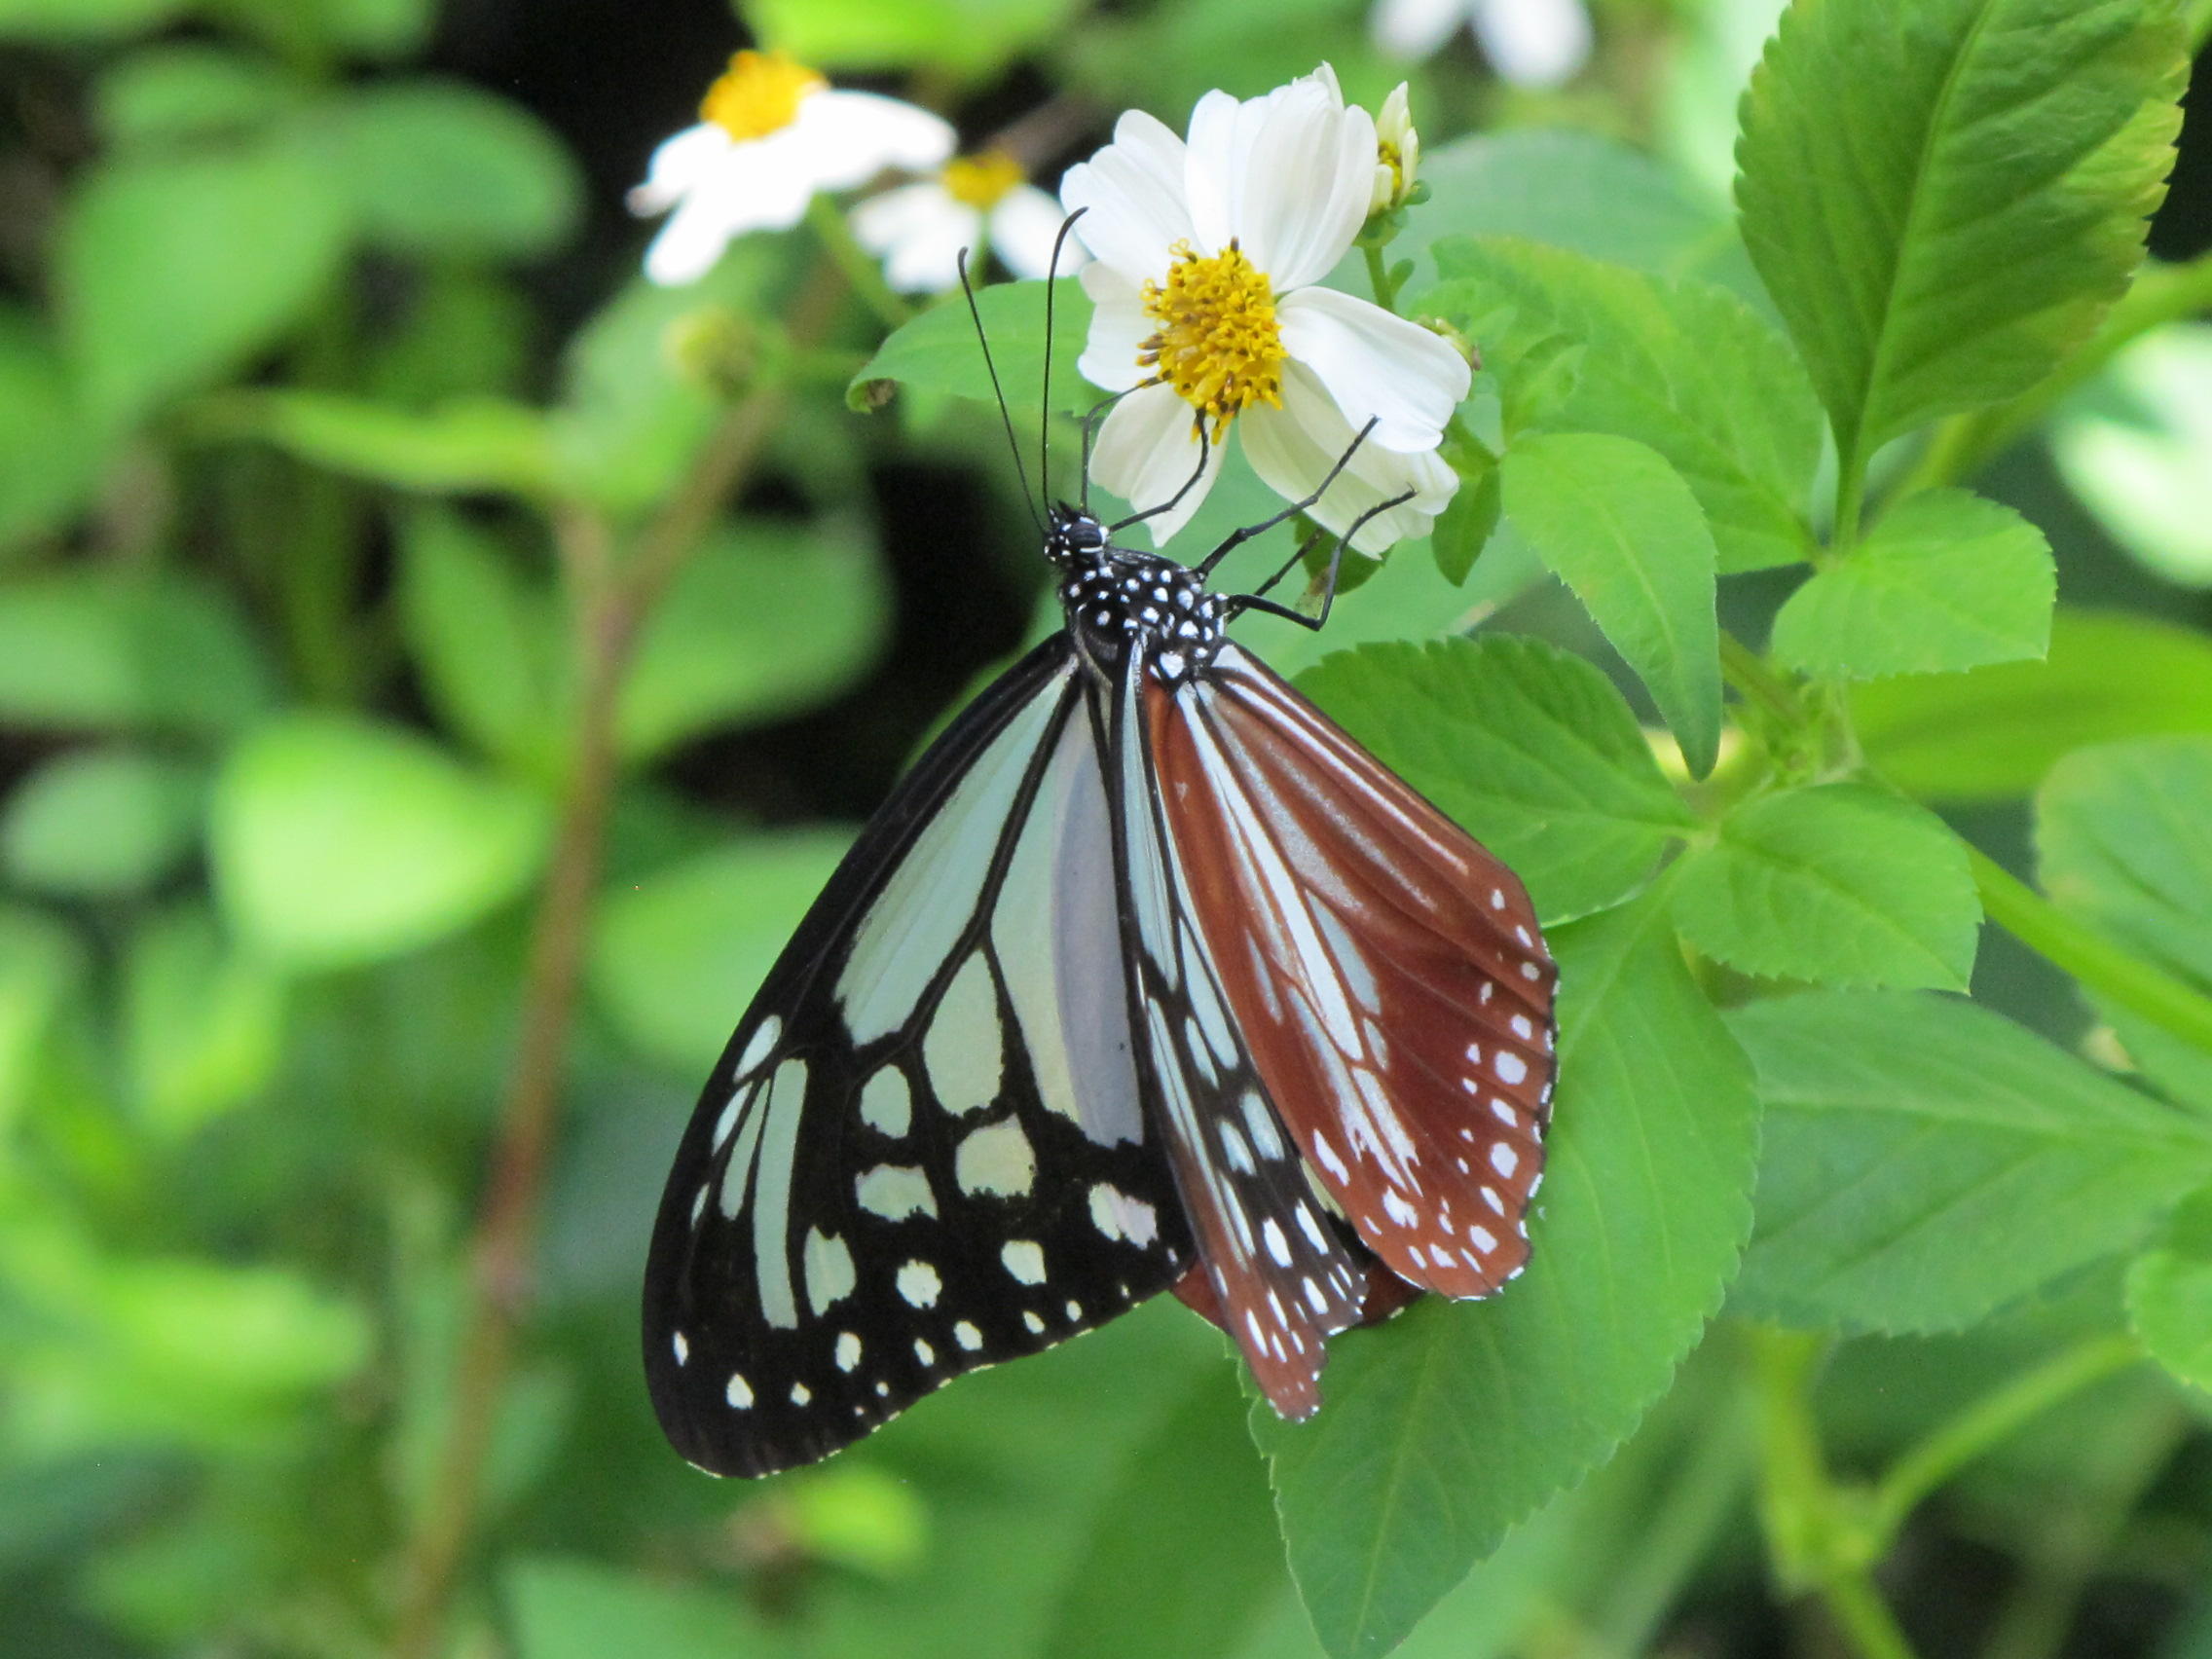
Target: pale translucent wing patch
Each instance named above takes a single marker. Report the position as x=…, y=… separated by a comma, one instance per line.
x=923, y=1151
x=1282, y=1281
x=1387, y=974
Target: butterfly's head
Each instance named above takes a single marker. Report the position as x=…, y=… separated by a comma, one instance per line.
x=1072, y=536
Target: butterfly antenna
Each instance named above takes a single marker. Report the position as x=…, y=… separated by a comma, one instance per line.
x=1005, y=417
x=1044, y=415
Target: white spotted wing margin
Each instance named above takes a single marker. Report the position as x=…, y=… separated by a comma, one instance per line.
x=1282, y=1279
x=924, y=1150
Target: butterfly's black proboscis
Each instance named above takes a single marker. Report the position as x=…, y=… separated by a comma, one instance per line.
x=1146, y=977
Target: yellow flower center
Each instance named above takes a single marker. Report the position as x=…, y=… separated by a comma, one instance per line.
x=981, y=180
x=1389, y=156
x=1217, y=343
x=760, y=94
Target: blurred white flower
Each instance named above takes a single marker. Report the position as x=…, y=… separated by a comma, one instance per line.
x=1397, y=153
x=771, y=133
x=1208, y=256
x=1532, y=43
x=918, y=230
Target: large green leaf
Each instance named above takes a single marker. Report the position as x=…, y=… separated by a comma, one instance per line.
x=42, y=968
x=88, y=649
x=678, y=955
x=336, y=842
x=1617, y=524
x=1948, y=581
x=469, y=445
x=968, y=37
x=1994, y=734
x=2169, y=1294
x=1528, y=748
x=574, y=1608
x=50, y=456
x=1926, y=1162
x=762, y=622
x=1449, y=1425
x=175, y=268
x=82, y=20
x=100, y=822
x=485, y=640
x=1577, y=344
x=435, y=168
x=938, y=351
x=1839, y=885
x=204, y=1023
x=1944, y=197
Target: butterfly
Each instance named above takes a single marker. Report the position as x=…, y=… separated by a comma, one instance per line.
x=1147, y=977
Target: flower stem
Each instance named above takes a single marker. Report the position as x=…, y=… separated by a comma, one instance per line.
x=2089, y=957
x=858, y=266
x=1378, y=276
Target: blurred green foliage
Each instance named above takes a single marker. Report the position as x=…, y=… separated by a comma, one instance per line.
x=437, y=669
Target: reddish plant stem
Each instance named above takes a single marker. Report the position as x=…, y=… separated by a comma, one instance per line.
x=614, y=602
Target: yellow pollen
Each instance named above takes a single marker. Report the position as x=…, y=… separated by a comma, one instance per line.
x=1216, y=343
x=760, y=94
x=1387, y=154
x=981, y=180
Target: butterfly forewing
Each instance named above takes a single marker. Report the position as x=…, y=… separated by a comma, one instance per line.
x=924, y=1150
x=1280, y=1280
x=1385, y=971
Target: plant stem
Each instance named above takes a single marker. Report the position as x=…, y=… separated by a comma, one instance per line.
x=855, y=263
x=1993, y=1419
x=2089, y=957
x=614, y=601
x=1379, y=277
x=1748, y=671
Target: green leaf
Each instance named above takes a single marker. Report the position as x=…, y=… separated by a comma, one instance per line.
x=2134, y=450
x=84, y=649
x=177, y=93
x=1839, y=885
x=1685, y=367
x=175, y=268
x=62, y=21
x=375, y=28
x=1944, y=198
x=485, y=640
x=2169, y=1294
x=204, y=1024
x=1188, y=1518
x=336, y=842
x=1465, y=526
x=677, y=957
x=1452, y=1423
x=1619, y=527
x=42, y=968
x=1925, y=1162
x=50, y=456
x=1528, y=748
x=1575, y=190
x=581, y=1609
x=938, y=351
x=439, y=169
x=969, y=38
x=2123, y=839
x=762, y=622
x=1992, y=734
x=469, y=445
x=96, y=823
x=1948, y=581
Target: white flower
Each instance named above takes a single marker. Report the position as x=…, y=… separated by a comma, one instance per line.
x=1397, y=153
x=1532, y=43
x=918, y=230
x=771, y=133
x=1208, y=256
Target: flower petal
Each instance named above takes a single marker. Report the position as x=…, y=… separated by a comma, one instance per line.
x=849, y=137
x=680, y=165
x=1408, y=29
x=882, y=221
x=742, y=198
x=1024, y=226
x=1294, y=448
x=918, y=231
x=1376, y=366
x=1132, y=196
x=1146, y=453
x=1120, y=326
x=1533, y=43
x=1288, y=176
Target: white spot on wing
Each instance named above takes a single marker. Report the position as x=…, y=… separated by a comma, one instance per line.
x=1396, y=1207
x=1510, y=1067
x=739, y=1393
x=962, y=1050
x=1117, y=1215
x=800, y=1393
x=1277, y=1245
x=1504, y=1160
x=893, y=1192
x=757, y=1048
x=1024, y=1260
x=848, y=1351
x=967, y=1336
x=681, y=1348
x=996, y=1159
x=887, y=1103
x=919, y=1285
x=830, y=1276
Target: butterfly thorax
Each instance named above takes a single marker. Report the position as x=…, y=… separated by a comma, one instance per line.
x=1115, y=597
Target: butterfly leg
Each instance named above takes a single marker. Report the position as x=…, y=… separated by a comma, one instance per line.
x=1257, y=600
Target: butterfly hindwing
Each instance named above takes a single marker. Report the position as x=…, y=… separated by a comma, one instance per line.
x=924, y=1151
